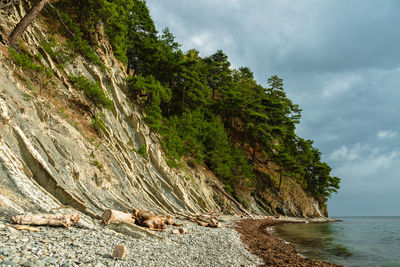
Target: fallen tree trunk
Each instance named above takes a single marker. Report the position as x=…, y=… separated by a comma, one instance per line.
x=115, y=216
x=65, y=220
x=203, y=220
x=25, y=227
x=150, y=220
x=233, y=200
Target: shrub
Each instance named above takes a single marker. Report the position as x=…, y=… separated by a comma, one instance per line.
x=25, y=61
x=143, y=151
x=76, y=43
x=93, y=92
x=99, y=124
x=97, y=164
x=58, y=55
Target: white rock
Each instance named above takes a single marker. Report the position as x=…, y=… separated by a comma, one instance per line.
x=175, y=231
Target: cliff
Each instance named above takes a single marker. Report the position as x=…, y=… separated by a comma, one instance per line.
x=50, y=155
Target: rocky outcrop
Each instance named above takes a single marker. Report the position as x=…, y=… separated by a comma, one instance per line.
x=48, y=160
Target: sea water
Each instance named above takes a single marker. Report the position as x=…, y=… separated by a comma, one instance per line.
x=354, y=241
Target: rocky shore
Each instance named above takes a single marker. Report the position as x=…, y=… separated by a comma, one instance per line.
x=239, y=242
x=93, y=246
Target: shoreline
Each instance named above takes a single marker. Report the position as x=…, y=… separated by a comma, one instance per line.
x=239, y=242
x=272, y=250
x=92, y=245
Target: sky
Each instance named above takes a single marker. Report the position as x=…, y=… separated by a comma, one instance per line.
x=340, y=61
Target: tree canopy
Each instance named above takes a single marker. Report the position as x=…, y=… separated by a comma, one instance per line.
x=205, y=110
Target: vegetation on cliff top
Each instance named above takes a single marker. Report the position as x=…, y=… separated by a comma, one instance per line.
x=206, y=111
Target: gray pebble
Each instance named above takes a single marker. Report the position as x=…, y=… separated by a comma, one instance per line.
x=27, y=264
x=51, y=260
x=9, y=263
x=200, y=246
x=4, y=251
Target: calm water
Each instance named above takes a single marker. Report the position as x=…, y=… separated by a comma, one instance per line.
x=356, y=241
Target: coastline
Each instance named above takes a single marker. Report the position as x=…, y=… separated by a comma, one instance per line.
x=270, y=249
x=91, y=244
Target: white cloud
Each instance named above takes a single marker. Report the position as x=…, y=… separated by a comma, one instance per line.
x=352, y=153
x=386, y=134
x=360, y=161
x=341, y=84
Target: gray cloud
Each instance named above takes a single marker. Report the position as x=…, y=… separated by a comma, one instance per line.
x=340, y=60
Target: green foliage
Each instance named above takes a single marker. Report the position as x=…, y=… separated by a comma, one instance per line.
x=99, y=124
x=65, y=12
x=93, y=92
x=206, y=111
x=154, y=94
x=97, y=164
x=143, y=151
x=25, y=61
x=59, y=55
x=32, y=64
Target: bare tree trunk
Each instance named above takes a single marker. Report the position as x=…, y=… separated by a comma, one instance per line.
x=254, y=152
x=47, y=219
x=148, y=219
x=115, y=216
x=309, y=184
x=25, y=22
x=233, y=200
x=280, y=180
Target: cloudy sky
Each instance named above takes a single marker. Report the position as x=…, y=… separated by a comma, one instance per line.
x=340, y=60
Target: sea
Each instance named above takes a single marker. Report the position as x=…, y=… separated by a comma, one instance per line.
x=352, y=241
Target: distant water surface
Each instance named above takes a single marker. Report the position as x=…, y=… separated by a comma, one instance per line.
x=356, y=241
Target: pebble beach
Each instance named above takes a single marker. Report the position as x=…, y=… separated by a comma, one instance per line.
x=81, y=246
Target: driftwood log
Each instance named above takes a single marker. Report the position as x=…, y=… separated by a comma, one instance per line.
x=115, y=217
x=139, y=217
x=65, y=220
x=206, y=220
x=25, y=227
x=150, y=220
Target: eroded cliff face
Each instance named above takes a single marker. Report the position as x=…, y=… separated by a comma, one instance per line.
x=49, y=157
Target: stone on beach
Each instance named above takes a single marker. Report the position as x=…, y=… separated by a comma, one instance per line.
x=119, y=252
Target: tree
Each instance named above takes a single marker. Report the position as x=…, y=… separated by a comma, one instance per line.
x=190, y=88
x=219, y=75
x=25, y=22
x=142, y=39
x=154, y=93
x=283, y=113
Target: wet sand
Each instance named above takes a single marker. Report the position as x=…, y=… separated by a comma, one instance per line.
x=273, y=251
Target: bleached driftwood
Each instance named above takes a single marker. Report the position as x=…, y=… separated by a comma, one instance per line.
x=206, y=220
x=150, y=220
x=133, y=230
x=115, y=216
x=25, y=227
x=65, y=220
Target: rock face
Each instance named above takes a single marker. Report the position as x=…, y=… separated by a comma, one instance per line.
x=47, y=161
